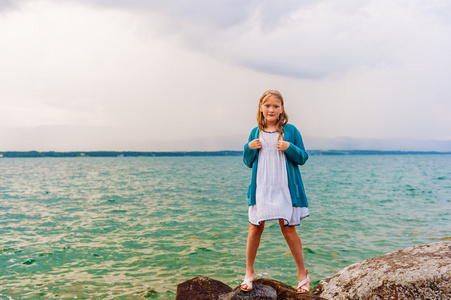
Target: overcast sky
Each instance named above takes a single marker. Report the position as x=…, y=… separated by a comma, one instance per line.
x=187, y=75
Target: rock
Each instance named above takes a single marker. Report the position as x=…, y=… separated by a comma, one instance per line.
x=260, y=292
x=286, y=292
x=204, y=288
x=201, y=288
x=419, y=272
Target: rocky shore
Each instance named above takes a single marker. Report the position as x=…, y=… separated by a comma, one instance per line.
x=418, y=272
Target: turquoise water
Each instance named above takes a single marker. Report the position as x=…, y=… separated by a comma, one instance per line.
x=128, y=228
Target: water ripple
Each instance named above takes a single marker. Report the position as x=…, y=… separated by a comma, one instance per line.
x=130, y=228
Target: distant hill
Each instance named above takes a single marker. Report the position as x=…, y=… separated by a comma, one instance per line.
x=347, y=143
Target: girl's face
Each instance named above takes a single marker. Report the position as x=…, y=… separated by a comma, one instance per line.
x=271, y=109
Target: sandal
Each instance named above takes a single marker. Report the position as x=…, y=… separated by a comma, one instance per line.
x=249, y=283
x=304, y=285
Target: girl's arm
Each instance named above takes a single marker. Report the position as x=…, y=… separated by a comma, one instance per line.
x=249, y=155
x=296, y=151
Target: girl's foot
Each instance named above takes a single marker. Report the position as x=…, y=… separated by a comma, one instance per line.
x=304, y=285
x=247, y=284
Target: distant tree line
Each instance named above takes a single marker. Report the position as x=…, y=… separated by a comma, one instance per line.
x=116, y=153
x=12, y=154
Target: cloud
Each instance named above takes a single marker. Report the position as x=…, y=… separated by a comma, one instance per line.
x=113, y=73
x=6, y=4
x=308, y=39
x=70, y=68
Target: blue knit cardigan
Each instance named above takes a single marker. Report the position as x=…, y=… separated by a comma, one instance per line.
x=295, y=155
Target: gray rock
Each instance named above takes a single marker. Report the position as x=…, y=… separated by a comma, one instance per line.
x=259, y=292
x=264, y=289
x=201, y=288
x=419, y=272
x=286, y=292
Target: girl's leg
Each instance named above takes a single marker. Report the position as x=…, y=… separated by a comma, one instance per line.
x=294, y=242
x=253, y=241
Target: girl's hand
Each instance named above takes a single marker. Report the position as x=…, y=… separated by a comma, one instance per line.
x=255, y=144
x=282, y=145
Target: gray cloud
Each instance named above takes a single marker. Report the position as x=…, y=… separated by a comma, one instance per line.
x=7, y=4
x=308, y=39
x=301, y=39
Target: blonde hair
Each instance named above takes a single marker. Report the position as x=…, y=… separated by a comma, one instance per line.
x=283, y=119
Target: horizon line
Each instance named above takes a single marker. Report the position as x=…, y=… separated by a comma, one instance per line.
x=131, y=153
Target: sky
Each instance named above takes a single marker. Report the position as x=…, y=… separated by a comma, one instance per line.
x=177, y=75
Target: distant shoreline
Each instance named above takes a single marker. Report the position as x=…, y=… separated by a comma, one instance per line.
x=33, y=154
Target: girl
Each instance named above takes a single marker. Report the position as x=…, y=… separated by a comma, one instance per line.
x=274, y=151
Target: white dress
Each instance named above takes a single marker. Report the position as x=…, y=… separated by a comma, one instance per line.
x=273, y=200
